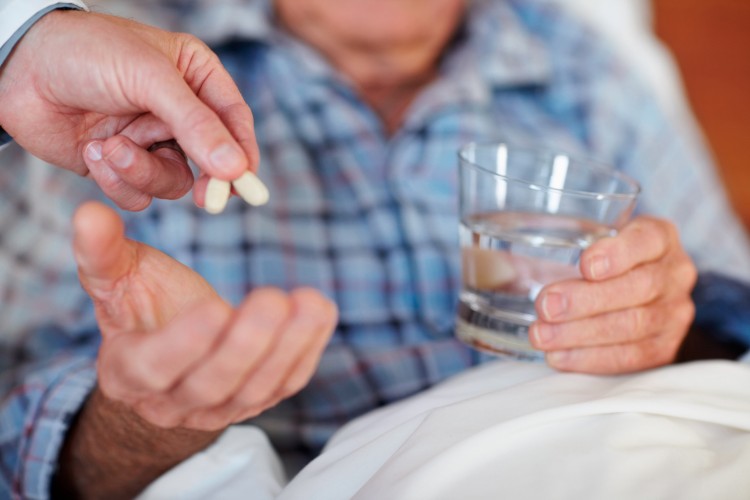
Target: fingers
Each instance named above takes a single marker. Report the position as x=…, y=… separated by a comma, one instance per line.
x=576, y=299
x=643, y=240
x=294, y=357
x=631, y=310
x=241, y=365
x=620, y=358
x=131, y=176
x=217, y=89
x=134, y=366
x=287, y=367
x=659, y=270
x=215, y=128
x=625, y=326
x=247, y=342
x=199, y=190
x=101, y=250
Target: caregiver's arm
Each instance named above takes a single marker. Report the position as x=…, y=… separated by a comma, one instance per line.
x=91, y=93
x=177, y=364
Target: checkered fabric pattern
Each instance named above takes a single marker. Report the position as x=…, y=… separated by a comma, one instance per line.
x=369, y=219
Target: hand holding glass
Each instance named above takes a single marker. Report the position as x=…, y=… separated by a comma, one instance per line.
x=527, y=214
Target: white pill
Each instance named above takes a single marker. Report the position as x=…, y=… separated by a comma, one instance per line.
x=217, y=196
x=251, y=189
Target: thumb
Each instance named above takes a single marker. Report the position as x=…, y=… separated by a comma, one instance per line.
x=101, y=250
x=214, y=128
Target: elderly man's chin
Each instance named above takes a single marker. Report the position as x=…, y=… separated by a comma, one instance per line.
x=398, y=34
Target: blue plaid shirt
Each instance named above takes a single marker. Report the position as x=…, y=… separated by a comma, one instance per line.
x=369, y=219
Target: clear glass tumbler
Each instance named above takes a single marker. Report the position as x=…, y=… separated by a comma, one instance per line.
x=527, y=214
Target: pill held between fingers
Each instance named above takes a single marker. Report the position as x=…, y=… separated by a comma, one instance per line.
x=217, y=195
x=251, y=189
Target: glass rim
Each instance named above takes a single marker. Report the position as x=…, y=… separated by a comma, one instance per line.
x=589, y=163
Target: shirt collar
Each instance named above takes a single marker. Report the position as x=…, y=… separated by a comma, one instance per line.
x=504, y=50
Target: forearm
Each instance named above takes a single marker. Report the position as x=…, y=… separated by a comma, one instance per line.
x=112, y=453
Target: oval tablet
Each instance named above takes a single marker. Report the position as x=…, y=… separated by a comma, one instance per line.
x=251, y=189
x=217, y=196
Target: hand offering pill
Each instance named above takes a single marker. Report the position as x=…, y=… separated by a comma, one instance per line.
x=248, y=186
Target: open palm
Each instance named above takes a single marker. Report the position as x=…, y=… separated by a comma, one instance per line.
x=177, y=354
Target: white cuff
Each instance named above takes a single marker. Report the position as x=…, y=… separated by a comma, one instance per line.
x=15, y=13
x=240, y=464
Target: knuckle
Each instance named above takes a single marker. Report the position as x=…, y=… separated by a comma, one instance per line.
x=296, y=383
x=659, y=228
x=133, y=202
x=247, y=413
x=238, y=344
x=648, y=284
x=254, y=395
x=659, y=232
x=685, y=314
x=200, y=391
x=191, y=44
x=688, y=272
x=137, y=375
x=111, y=386
x=635, y=322
x=141, y=179
x=200, y=118
x=629, y=357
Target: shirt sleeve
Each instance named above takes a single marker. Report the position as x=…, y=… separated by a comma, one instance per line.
x=49, y=337
x=16, y=18
x=42, y=399
x=723, y=308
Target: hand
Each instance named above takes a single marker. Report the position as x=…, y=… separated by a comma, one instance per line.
x=91, y=93
x=631, y=310
x=178, y=355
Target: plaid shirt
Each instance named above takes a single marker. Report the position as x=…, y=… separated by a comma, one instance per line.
x=367, y=218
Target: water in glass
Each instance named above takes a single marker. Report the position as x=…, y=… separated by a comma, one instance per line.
x=507, y=257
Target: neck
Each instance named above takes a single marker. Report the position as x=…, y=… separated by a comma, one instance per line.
x=390, y=53
x=391, y=102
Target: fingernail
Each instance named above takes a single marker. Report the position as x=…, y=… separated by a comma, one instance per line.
x=226, y=158
x=554, y=305
x=540, y=334
x=94, y=151
x=599, y=266
x=121, y=157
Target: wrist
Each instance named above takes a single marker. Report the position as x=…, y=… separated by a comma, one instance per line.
x=11, y=68
x=111, y=452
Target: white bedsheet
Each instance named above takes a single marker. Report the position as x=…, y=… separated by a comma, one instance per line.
x=522, y=431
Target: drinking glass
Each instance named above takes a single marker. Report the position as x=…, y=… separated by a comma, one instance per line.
x=527, y=214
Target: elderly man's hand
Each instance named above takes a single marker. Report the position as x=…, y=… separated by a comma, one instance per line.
x=175, y=359
x=91, y=93
x=178, y=354
x=631, y=310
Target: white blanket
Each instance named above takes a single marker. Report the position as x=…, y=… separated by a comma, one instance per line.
x=522, y=431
